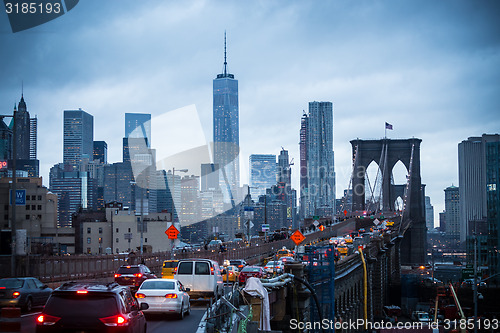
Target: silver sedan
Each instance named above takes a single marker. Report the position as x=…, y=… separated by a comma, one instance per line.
x=164, y=296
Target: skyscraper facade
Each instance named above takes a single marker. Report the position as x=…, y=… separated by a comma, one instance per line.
x=429, y=214
x=452, y=213
x=226, y=129
x=262, y=174
x=138, y=125
x=33, y=137
x=493, y=207
x=319, y=195
x=22, y=123
x=78, y=137
x=209, y=177
x=472, y=179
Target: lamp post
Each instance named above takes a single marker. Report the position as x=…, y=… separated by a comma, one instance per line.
x=173, y=198
x=13, y=195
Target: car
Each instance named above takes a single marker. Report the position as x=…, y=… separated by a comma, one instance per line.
x=274, y=267
x=166, y=296
x=240, y=263
x=25, y=293
x=230, y=274
x=250, y=271
x=92, y=307
x=169, y=268
x=215, y=242
x=133, y=275
x=470, y=283
x=284, y=252
x=202, y=276
x=420, y=316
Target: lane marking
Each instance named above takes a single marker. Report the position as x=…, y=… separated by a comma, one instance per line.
x=30, y=314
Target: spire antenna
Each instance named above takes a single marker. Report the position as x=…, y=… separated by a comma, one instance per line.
x=225, y=55
x=22, y=88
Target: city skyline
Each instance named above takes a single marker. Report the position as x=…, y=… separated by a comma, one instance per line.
x=424, y=74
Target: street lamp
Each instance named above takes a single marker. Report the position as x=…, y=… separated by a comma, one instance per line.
x=13, y=195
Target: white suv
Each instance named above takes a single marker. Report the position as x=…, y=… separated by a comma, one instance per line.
x=202, y=276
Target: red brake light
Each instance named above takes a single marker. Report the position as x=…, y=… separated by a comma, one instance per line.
x=239, y=266
x=2, y=287
x=16, y=294
x=175, y=269
x=212, y=271
x=138, y=295
x=117, y=275
x=47, y=320
x=138, y=275
x=171, y=296
x=81, y=291
x=117, y=320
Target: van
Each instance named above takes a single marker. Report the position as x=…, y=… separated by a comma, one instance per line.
x=202, y=276
x=168, y=269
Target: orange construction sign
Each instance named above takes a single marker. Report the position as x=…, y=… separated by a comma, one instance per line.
x=297, y=237
x=172, y=232
x=321, y=227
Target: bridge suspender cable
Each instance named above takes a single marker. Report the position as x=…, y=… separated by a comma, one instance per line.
x=365, y=288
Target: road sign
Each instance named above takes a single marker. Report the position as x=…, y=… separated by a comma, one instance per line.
x=20, y=197
x=467, y=273
x=128, y=236
x=321, y=227
x=297, y=237
x=172, y=232
x=316, y=223
x=247, y=222
x=265, y=227
x=376, y=221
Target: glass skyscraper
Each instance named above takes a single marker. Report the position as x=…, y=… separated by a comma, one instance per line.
x=316, y=145
x=226, y=129
x=262, y=174
x=138, y=125
x=78, y=137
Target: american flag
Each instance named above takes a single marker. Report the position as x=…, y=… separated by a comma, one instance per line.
x=388, y=126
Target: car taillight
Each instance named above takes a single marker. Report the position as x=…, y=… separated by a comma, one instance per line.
x=212, y=271
x=230, y=273
x=117, y=275
x=138, y=295
x=171, y=296
x=239, y=266
x=16, y=294
x=81, y=291
x=117, y=320
x=138, y=275
x=47, y=320
x=175, y=269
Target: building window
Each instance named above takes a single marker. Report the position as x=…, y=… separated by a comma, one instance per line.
x=128, y=229
x=40, y=197
x=89, y=240
x=145, y=240
x=89, y=230
x=6, y=217
x=27, y=207
x=100, y=230
x=89, y=251
x=27, y=217
x=118, y=240
x=33, y=197
x=39, y=217
x=39, y=207
x=100, y=240
x=6, y=207
x=117, y=230
x=33, y=207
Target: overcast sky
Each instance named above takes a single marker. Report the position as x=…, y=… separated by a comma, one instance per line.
x=430, y=68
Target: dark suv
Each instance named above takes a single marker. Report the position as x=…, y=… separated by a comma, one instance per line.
x=133, y=275
x=92, y=307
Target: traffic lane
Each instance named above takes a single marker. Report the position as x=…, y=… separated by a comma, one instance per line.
x=28, y=321
x=162, y=323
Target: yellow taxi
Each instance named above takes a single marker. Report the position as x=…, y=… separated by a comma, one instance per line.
x=231, y=274
x=389, y=223
x=348, y=239
x=342, y=249
x=284, y=253
x=169, y=268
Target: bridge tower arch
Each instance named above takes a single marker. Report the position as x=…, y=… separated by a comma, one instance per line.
x=387, y=152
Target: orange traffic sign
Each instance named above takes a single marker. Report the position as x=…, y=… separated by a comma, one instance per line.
x=297, y=237
x=321, y=227
x=172, y=232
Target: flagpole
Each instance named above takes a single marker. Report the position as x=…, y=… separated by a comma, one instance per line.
x=385, y=133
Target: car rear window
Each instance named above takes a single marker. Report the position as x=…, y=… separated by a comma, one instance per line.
x=158, y=284
x=283, y=252
x=201, y=268
x=185, y=268
x=170, y=264
x=235, y=262
x=129, y=270
x=88, y=305
x=11, y=283
x=251, y=269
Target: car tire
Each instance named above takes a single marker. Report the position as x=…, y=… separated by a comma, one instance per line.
x=181, y=314
x=29, y=305
x=145, y=328
x=188, y=312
